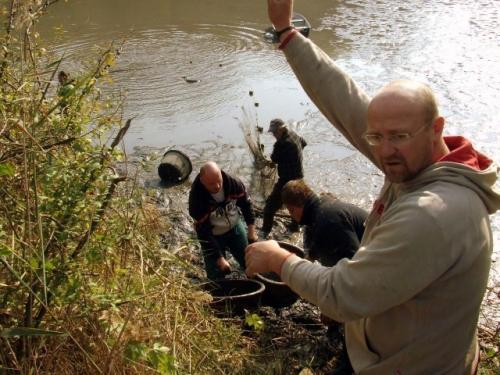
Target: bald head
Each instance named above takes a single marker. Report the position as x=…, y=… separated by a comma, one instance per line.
x=404, y=115
x=211, y=177
x=405, y=98
x=210, y=167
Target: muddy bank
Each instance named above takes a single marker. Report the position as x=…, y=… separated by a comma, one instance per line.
x=295, y=333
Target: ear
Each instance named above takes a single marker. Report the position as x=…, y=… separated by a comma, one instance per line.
x=438, y=126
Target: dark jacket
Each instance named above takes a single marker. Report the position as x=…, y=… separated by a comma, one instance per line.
x=287, y=153
x=333, y=228
x=202, y=204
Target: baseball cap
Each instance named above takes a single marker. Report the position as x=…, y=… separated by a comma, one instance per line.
x=275, y=124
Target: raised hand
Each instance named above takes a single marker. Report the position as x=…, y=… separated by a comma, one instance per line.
x=280, y=13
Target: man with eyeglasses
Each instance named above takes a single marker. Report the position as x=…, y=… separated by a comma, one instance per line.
x=410, y=296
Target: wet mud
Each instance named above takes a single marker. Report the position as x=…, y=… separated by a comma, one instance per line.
x=296, y=333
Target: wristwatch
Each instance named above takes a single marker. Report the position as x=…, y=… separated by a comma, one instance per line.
x=279, y=33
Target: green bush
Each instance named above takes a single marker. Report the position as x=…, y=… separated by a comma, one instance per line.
x=85, y=285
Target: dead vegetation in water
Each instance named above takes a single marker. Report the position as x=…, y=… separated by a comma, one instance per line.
x=251, y=131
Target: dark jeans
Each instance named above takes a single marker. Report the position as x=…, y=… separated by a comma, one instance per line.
x=273, y=204
x=235, y=241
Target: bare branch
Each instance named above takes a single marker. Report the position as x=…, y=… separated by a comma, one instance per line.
x=121, y=133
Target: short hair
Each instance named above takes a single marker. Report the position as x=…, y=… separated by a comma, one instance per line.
x=296, y=193
x=429, y=103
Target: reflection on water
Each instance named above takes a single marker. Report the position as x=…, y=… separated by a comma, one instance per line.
x=453, y=46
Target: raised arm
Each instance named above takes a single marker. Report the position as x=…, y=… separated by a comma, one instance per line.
x=335, y=94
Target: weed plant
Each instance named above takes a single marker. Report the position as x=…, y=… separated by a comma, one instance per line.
x=85, y=287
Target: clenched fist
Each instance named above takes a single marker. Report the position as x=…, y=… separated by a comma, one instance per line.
x=264, y=256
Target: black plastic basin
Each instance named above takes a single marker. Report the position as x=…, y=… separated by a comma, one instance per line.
x=234, y=296
x=175, y=167
x=277, y=294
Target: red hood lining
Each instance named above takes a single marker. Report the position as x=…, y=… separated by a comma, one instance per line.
x=461, y=151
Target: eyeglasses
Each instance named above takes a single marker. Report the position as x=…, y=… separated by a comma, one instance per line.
x=397, y=139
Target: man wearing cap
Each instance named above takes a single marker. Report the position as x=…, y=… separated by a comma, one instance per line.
x=287, y=154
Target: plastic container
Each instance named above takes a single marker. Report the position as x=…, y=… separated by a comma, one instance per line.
x=277, y=294
x=234, y=296
x=175, y=167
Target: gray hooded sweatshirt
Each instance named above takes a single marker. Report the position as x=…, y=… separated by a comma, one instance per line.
x=411, y=295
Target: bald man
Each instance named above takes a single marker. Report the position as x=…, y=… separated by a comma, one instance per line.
x=219, y=204
x=410, y=296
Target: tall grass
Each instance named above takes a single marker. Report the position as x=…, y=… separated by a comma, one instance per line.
x=85, y=284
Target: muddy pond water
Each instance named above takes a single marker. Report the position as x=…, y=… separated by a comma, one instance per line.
x=451, y=45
